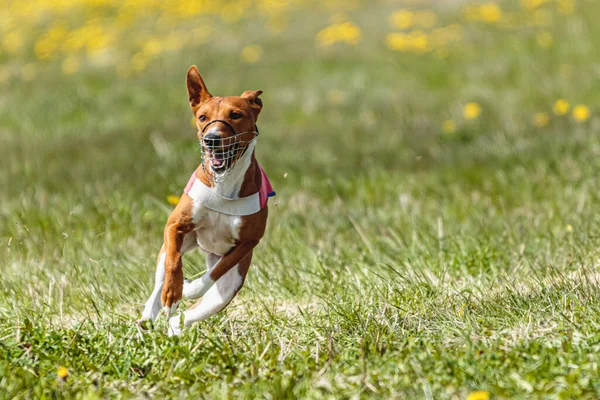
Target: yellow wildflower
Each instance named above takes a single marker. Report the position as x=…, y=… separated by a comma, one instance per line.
x=479, y=395
x=251, y=54
x=449, y=126
x=565, y=7
x=569, y=228
x=12, y=42
x=544, y=39
x=350, y=33
x=561, y=107
x=173, y=199
x=490, y=12
x=396, y=41
x=419, y=41
x=344, y=32
x=152, y=47
x=532, y=4
x=461, y=311
x=541, y=119
x=581, y=113
x=402, y=19
x=62, y=373
x=471, y=111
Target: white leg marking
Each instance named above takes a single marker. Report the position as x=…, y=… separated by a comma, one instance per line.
x=171, y=310
x=217, y=297
x=153, y=304
x=198, y=287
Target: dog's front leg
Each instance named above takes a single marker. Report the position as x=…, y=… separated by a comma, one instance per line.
x=173, y=283
x=229, y=274
x=153, y=304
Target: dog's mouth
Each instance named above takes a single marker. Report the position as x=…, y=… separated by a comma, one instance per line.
x=219, y=161
x=219, y=155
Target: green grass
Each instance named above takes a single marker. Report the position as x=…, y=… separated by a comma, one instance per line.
x=399, y=260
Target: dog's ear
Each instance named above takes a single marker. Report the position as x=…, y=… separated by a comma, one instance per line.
x=197, y=92
x=255, y=102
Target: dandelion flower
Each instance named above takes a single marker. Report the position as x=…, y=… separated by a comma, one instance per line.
x=532, y=4
x=569, y=228
x=419, y=42
x=581, y=113
x=565, y=7
x=62, y=373
x=561, y=107
x=479, y=395
x=490, y=13
x=472, y=111
x=449, y=126
x=397, y=41
x=541, y=119
x=251, y=54
x=173, y=199
x=402, y=19
x=12, y=42
x=349, y=33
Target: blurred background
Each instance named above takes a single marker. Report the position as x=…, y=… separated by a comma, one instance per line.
x=453, y=141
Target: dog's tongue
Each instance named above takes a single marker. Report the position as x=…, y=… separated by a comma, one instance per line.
x=217, y=162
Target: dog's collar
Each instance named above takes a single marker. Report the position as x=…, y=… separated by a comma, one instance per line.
x=248, y=205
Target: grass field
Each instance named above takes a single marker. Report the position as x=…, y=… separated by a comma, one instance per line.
x=435, y=230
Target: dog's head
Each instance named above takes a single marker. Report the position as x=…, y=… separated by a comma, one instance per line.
x=226, y=125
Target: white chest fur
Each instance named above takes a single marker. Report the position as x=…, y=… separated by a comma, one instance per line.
x=215, y=232
x=218, y=232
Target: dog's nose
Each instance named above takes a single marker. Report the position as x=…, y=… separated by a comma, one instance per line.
x=212, y=139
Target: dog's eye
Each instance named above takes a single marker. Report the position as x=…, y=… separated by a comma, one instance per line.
x=202, y=118
x=235, y=115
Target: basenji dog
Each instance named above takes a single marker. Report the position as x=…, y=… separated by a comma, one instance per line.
x=223, y=209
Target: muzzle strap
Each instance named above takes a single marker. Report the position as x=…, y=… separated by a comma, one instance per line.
x=230, y=127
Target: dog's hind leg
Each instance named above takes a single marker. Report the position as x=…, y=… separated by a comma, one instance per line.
x=215, y=299
x=198, y=287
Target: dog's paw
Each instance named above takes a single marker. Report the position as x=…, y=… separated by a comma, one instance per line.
x=171, y=310
x=171, y=294
x=175, y=325
x=144, y=325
